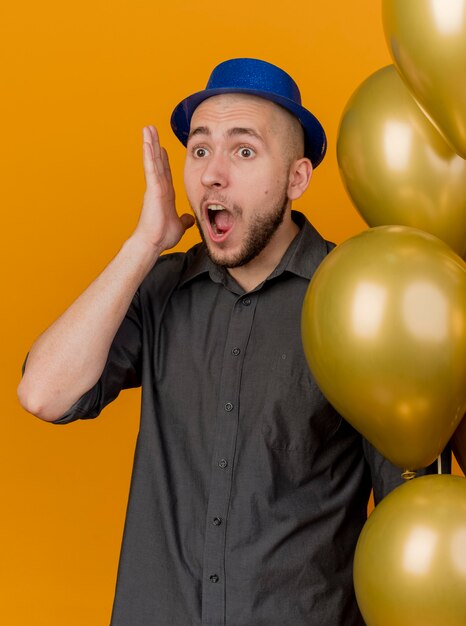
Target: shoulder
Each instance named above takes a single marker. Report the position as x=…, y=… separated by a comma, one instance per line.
x=330, y=245
x=168, y=271
x=310, y=248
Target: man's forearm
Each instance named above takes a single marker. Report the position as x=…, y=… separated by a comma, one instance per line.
x=68, y=358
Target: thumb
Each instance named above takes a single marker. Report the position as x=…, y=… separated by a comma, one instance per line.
x=187, y=220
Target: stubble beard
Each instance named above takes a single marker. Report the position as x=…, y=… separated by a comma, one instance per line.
x=261, y=230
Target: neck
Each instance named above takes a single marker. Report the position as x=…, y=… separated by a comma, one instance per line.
x=256, y=271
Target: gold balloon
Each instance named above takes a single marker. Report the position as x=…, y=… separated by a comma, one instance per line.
x=410, y=560
x=396, y=166
x=427, y=40
x=384, y=333
x=458, y=443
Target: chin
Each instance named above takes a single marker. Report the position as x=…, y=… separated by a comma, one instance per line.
x=225, y=259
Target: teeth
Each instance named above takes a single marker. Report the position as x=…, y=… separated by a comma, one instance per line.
x=215, y=207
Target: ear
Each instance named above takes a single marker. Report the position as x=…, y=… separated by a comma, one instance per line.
x=299, y=178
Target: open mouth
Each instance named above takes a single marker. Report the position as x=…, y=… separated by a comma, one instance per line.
x=220, y=221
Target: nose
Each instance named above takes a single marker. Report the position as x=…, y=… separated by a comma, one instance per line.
x=215, y=172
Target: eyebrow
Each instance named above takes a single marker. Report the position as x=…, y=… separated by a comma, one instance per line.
x=200, y=130
x=232, y=132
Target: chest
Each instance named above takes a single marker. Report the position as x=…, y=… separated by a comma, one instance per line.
x=222, y=358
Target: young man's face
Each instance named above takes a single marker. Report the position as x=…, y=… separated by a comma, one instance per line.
x=237, y=175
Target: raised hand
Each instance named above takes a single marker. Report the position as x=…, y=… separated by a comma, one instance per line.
x=69, y=357
x=159, y=223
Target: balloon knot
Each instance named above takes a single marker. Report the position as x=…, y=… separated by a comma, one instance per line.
x=408, y=474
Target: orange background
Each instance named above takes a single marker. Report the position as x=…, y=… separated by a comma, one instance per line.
x=78, y=83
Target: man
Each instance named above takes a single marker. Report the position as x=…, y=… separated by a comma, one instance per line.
x=249, y=491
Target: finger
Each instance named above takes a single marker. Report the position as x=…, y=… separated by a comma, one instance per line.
x=155, y=140
x=187, y=220
x=149, y=167
x=157, y=150
x=150, y=172
x=147, y=138
x=166, y=166
x=155, y=174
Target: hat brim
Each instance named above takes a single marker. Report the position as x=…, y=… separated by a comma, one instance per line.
x=315, y=142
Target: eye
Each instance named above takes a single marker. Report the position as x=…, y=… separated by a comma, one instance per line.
x=200, y=152
x=246, y=152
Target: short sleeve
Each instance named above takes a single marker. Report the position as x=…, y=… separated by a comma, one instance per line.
x=386, y=477
x=122, y=369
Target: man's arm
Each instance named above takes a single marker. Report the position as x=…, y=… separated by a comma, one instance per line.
x=69, y=357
